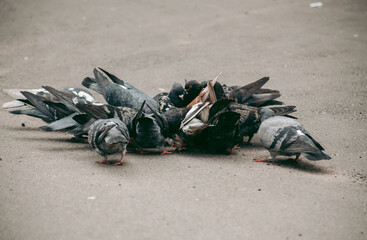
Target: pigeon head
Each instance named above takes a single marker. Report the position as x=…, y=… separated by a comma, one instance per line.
x=177, y=89
x=176, y=95
x=192, y=90
x=266, y=113
x=193, y=85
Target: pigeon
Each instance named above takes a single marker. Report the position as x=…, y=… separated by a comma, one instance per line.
x=67, y=106
x=285, y=136
x=250, y=118
x=47, y=96
x=49, y=107
x=107, y=137
x=216, y=135
x=149, y=131
x=116, y=92
x=221, y=136
x=172, y=99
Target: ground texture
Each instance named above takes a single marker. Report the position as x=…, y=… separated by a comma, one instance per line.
x=51, y=187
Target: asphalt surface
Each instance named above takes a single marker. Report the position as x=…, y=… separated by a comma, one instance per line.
x=52, y=188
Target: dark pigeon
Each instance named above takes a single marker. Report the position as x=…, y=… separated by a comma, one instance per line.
x=172, y=99
x=149, y=131
x=217, y=135
x=174, y=118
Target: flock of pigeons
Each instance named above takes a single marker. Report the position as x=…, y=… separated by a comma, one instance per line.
x=206, y=116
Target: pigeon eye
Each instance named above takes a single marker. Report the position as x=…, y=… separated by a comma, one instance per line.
x=190, y=86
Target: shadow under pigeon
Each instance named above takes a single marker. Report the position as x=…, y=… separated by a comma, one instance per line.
x=32, y=129
x=301, y=165
x=56, y=139
x=65, y=148
x=251, y=146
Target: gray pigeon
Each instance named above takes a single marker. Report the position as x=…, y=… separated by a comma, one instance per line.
x=50, y=106
x=285, y=136
x=107, y=137
x=116, y=92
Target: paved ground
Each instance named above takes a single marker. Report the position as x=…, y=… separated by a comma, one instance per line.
x=51, y=187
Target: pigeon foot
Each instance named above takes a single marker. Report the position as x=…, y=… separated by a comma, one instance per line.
x=104, y=161
x=236, y=147
x=261, y=160
x=119, y=163
x=142, y=152
x=165, y=152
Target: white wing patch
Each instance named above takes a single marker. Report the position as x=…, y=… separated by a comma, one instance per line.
x=299, y=132
x=86, y=96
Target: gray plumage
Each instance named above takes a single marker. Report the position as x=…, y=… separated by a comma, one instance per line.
x=105, y=111
x=64, y=123
x=107, y=137
x=64, y=109
x=253, y=94
x=52, y=105
x=244, y=93
x=264, y=97
x=116, y=92
x=285, y=136
x=251, y=117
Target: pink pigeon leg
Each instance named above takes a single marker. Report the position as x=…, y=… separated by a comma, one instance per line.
x=165, y=152
x=261, y=160
x=122, y=162
x=103, y=161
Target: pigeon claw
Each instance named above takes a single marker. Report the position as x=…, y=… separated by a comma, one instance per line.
x=165, y=152
x=236, y=147
x=119, y=163
x=261, y=160
x=104, y=161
